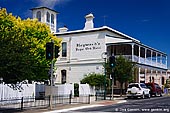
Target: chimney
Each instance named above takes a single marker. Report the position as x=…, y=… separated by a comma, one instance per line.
x=89, y=22
x=63, y=29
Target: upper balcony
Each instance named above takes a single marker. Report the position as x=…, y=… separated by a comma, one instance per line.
x=140, y=54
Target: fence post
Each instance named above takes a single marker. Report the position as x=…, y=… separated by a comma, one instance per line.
x=22, y=101
x=89, y=99
x=96, y=96
x=49, y=100
x=70, y=95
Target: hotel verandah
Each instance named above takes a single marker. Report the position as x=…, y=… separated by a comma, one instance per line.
x=152, y=64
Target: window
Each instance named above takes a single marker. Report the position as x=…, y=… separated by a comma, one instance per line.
x=48, y=17
x=153, y=80
x=63, y=76
x=163, y=80
x=150, y=79
x=38, y=16
x=64, y=49
x=52, y=18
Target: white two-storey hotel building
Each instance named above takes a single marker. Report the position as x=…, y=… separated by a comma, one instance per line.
x=82, y=50
x=82, y=53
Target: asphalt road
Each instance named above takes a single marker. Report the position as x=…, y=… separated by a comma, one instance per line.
x=152, y=105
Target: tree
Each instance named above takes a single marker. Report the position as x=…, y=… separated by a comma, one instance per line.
x=123, y=71
x=22, y=48
x=96, y=80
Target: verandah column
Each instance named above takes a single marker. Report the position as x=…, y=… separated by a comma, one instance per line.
x=156, y=58
x=151, y=80
x=145, y=74
x=166, y=62
x=161, y=60
x=151, y=57
x=145, y=54
x=139, y=75
x=139, y=55
x=132, y=52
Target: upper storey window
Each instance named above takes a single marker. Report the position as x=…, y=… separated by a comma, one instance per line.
x=64, y=49
x=48, y=17
x=38, y=16
x=52, y=18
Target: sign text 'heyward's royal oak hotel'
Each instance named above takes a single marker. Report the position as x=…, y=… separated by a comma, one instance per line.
x=82, y=50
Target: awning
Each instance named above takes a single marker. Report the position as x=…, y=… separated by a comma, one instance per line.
x=109, y=40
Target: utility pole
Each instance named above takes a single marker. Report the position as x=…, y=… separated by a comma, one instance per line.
x=105, y=79
x=51, y=85
x=112, y=85
x=51, y=53
x=104, y=56
x=112, y=64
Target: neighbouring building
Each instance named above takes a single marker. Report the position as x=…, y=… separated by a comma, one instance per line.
x=82, y=53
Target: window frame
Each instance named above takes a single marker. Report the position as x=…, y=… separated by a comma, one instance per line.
x=38, y=15
x=48, y=17
x=64, y=49
x=63, y=76
x=52, y=19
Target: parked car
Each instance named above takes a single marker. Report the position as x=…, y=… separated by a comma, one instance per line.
x=156, y=90
x=138, y=90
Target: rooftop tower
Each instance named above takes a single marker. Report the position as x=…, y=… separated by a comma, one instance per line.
x=46, y=15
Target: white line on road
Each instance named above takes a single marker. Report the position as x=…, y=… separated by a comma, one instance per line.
x=75, y=108
x=123, y=101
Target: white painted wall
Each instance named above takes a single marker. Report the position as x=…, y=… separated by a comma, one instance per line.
x=83, y=56
x=87, y=46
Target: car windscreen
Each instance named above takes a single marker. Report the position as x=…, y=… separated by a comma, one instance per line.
x=133, y=85
x=143, y=85
x=148, y=84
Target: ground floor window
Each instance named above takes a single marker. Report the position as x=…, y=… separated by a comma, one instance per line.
x=163, y=80
x=63, y=76
x=151, y=79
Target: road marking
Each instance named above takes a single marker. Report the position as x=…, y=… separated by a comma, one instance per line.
x=123, y=101
x=75, y=108
x=81, y=107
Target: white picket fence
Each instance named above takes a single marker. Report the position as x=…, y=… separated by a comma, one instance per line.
x=66, y=89
x=86, y=89
x=32, y=90
x=59, y=90
x=7, y=93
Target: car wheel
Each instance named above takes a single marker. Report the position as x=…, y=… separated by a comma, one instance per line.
x=149, y=95
x=143, y=95
x=160, y=94
x=156, y=94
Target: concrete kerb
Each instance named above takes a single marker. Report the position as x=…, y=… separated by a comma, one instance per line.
x=92, y=104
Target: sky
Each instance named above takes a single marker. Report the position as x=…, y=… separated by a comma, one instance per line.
x=146, y=20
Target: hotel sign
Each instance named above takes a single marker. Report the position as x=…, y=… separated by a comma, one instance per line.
x=88, y=46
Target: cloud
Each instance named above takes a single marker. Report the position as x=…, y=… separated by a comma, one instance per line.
x=50, y=3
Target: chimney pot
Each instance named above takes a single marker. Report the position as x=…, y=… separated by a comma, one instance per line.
x=63, y=29
x=89, y=22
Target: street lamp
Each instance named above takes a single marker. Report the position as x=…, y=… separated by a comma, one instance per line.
x=104, y=56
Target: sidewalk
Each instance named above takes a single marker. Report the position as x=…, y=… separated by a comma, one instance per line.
x=68, y=107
